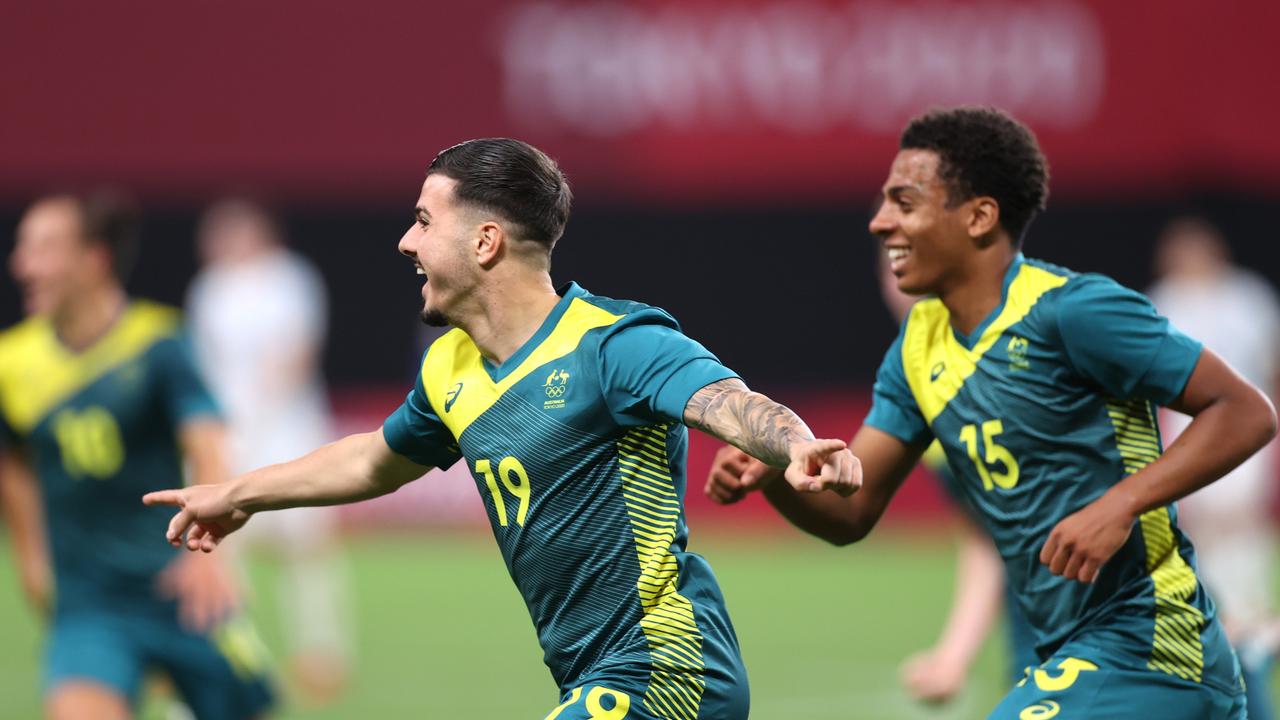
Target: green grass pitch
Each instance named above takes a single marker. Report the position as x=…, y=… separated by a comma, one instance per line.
x=441, y=632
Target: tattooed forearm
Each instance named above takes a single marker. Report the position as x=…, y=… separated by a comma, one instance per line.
x=757, y=425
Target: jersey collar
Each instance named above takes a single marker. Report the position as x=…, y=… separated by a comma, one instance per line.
x=968, y=341
x=567, y=293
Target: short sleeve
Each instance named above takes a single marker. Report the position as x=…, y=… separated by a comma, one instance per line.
x=186, y=397
x=893, y=407
x=649, y=369
x=1114, y=337
x=416, y=432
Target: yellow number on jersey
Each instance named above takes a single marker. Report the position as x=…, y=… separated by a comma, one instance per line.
x=595, y=709
x=514, y=479
x=994, y=453
x=1071, y=669
x=89, y=441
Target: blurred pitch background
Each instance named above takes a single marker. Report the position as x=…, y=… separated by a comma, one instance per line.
x=724, y=156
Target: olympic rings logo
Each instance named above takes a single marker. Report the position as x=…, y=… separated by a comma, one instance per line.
x=555, y=391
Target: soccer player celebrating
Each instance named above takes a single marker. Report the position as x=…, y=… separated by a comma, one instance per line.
x=937, y=674
x=570, y=412
x=99, y=402
x=1041, y=385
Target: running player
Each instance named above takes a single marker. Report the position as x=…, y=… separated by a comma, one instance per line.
x=937, y=674
x=1041, y=385
x=99, y=402
x=570, y=411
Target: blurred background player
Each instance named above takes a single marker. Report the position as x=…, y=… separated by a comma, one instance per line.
x=258, y=314
x=99, y=403
x=938, y=673
x=1235, y=312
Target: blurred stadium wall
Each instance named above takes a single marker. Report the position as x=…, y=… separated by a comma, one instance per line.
x=724, y=153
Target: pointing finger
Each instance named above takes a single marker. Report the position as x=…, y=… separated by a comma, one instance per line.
x=164, y=497
x=826, y=447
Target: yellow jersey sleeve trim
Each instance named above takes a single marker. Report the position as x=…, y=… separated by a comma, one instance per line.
x=455, y=380
x=37, y=373
x=934, y=361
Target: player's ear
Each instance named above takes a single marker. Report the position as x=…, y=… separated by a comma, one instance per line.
x=490, y=243
x=984, y=216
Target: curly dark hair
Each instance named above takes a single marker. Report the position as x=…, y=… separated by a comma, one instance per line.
x=513, y=178
x=985, y=152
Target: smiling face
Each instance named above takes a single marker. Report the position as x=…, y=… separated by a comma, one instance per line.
x=438, y=242
x=51, y=260
x=926, y=239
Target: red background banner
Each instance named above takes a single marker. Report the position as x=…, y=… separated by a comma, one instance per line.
x=680, y=102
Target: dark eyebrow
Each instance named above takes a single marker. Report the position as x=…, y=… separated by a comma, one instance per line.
x=420, y=213
x=896, y=192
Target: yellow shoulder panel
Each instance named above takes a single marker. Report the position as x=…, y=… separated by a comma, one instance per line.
x=37, y=373
x=454, y=377
x=934, y=361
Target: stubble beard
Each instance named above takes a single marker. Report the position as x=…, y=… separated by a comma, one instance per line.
x=433, y=318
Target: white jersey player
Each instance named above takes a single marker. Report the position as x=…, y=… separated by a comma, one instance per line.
x=258, y=315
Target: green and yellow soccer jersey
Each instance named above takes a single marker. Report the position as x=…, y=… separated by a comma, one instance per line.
x=577, y=448
x=1049, y=403
x=99, y=429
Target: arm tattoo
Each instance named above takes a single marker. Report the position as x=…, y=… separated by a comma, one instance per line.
x=757, y=425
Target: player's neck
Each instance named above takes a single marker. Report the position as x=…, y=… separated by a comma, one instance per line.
x=508, y=313
x=89, y=316
x=977, y=292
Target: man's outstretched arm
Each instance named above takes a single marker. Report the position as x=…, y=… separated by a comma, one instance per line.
x=354, y=468
x=884, y=462
x=764, y=429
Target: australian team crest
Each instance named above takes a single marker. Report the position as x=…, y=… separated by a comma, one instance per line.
x=555, y=387
x=1018, y=347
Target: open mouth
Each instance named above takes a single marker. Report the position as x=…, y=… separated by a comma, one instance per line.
x=898, y=257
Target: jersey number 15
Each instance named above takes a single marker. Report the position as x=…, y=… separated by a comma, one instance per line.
x=994, y=455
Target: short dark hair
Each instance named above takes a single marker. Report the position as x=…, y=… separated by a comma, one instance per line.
x=513, y=178
x=111, y=218
x=983, y=151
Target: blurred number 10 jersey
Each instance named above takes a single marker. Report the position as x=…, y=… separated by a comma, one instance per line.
x=1047, y=405
x=577, y=448
x=100, y=430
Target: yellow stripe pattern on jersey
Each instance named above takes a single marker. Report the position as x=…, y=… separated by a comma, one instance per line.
x=1176, y=646
x=677, y=681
